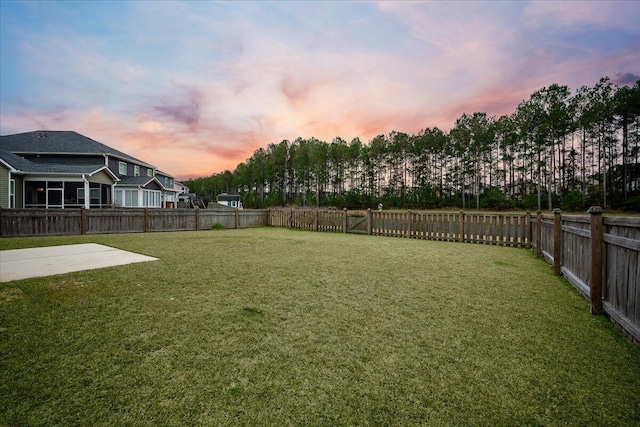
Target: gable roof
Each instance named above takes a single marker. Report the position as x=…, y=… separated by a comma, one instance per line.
x=22, y=165
x=137, y=181
x=14, y=162
x=59, y=142
x=159, y=172
x=142, y=182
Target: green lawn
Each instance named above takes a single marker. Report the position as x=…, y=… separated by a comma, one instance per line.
x=274, y=327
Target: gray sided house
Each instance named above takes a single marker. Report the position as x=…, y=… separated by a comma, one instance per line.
x=63, y=169
x=230, y=200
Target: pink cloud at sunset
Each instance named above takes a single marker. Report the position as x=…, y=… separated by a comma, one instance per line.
x=196, y=87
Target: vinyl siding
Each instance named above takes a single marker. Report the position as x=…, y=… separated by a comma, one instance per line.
x=4, y=187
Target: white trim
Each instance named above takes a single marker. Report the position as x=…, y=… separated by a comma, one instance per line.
x=53, y=178
x=87, y=191
x=92, y=195
x=11, y=168
x=64, y=176
x=144, y=198
x=60, y=190
x=11, y=180
x=106, y=169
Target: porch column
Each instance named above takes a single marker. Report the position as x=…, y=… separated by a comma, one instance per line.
x=87, y=193
x=113, y=195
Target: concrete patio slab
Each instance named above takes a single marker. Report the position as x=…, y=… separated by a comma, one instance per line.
x=19, y=264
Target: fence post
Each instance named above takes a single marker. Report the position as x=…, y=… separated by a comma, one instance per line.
x=369, y=222
x=291, y=218
x=197, y=219
x=461, y=226
x=596, y=259
x=146, y=219
x=237, y=219
x=268, y=217
x=409, y=218
x=539, y=233
x=557, y=241
x=345, y=221
x=527, y=230
x=316, y=219
x=83, y=220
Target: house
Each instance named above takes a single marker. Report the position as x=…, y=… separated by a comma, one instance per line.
x=230, y=200
x=180, y=188
x=169, y=197
x=183, y=194
x=63, y=169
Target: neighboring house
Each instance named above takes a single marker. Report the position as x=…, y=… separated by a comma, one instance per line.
x=169, y=193
x=230, y=200
x=182, y=193
x=63, y=169
x=180, y=188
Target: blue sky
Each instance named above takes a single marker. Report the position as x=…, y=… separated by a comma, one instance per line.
x=195, y=87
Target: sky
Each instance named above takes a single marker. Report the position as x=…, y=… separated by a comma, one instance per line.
x=196, y=87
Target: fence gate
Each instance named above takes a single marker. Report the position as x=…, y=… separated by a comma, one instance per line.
x=357, y=223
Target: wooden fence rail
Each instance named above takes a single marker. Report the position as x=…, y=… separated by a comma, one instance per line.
x=40, y=222
x=600, y=256
x=494, y=229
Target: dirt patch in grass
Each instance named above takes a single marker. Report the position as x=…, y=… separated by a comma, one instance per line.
x=252, y=312
x=68, y=286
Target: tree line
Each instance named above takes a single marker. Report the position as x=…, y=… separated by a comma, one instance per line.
x=558, y=149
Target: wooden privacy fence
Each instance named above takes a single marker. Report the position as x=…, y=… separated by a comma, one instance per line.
x=599, y=256
x=40, y=222
x=495, y=229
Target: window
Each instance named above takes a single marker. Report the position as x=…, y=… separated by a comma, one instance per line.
x=136, y=170
x=94, y=194
x=127, y=198
x=35, y=195
x=149, y=172
x=151, y=198
x=122, y=168
x=55, y=191
x=131, y=198
x=12, y=194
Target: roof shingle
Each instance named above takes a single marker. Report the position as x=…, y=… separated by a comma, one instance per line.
x=59, y=142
